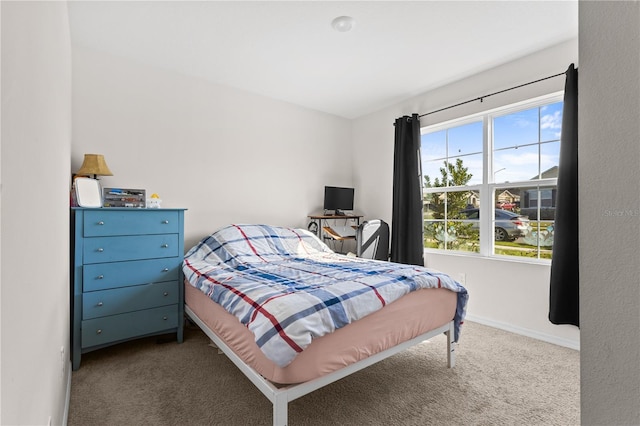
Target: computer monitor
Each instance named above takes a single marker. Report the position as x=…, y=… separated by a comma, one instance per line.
x=338, y=199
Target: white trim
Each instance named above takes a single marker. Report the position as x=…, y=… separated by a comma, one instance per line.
x=500, y=257
x=67, y=402
x=527, y=103
x=504, y=109
x=281, y=396
x=567, y=343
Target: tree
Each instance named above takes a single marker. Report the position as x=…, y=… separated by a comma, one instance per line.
x=446, y=233
x=451, y=175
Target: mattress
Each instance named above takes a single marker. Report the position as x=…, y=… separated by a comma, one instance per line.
x=412, y=315
x=289, y=288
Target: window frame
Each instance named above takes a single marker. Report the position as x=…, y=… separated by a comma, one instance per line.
x=487, y=189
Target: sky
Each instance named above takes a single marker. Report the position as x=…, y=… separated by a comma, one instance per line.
x=525, y=143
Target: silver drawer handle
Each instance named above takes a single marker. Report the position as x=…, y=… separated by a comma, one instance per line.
x=164, y=318
x=165, y=246
x=99, y=331
x=165, y=293
x=165, y=270
x=100, y=250
x=100, y=277
x=101, y=223
x=99, y=303
x=165, y=222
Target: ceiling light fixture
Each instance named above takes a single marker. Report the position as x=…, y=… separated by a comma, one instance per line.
x=343, y=23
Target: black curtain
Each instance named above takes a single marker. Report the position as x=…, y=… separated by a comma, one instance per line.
x=564, y=290
x=406, y=226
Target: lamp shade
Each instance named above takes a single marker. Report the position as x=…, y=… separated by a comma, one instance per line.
x=94, y=164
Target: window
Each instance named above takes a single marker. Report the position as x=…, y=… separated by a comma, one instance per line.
x=490, y=180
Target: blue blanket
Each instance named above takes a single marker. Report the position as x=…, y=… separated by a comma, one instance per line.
x=289, y=288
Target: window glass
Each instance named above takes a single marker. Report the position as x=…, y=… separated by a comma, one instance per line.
x=526, y=143
x=465, y=140
x=473, y=168
x=549, y=159
x=516, y=129
x=514, y=164
x=522, y=161
x=450, y=223
x=434, y=146
x=524, y=221
x=550, y=122
x=453, y=156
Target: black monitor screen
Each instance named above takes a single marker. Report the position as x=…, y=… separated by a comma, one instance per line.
x=336, y=198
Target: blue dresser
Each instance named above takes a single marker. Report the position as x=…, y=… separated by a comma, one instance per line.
x=126, y=276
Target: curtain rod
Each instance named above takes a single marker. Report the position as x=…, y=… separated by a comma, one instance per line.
x=481, y=98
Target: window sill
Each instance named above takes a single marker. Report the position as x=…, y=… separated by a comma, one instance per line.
x=496, y=257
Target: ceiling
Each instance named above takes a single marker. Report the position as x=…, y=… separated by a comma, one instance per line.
x=288, y=50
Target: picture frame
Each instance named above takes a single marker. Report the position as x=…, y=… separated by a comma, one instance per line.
x=88, y=193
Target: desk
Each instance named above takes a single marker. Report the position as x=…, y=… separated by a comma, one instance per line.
x=321, y=218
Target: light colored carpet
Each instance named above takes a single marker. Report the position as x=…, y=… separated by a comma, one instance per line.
x=499, y=379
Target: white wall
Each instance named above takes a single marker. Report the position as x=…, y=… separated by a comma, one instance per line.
x=373, y=134
x=36, y=133
x=0, y=218
x=227, y=155
x=110, y=119
x=609, y=155
x=520, y=304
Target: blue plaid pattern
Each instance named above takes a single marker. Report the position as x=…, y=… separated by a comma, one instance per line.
x=289, y=288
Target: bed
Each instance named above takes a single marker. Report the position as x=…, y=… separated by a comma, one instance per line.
x=294, y=316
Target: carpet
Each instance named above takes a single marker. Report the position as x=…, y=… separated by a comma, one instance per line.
x=500, y=378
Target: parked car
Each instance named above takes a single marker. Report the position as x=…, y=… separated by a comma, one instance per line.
x=509, y=225
x=505, y=205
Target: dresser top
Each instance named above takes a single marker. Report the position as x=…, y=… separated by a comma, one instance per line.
x=131, y=209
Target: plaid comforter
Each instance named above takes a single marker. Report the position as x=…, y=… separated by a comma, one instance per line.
x=288, y=287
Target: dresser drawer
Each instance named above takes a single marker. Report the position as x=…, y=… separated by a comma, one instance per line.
x=126, y=276
x=114, y=249
x=102, y=276
x=128, y=299
x=103, y=222
x=104, y=330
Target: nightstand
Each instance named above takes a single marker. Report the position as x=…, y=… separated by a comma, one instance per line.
x=126, y=276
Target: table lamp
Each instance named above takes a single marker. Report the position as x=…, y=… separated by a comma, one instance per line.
x=94, y=164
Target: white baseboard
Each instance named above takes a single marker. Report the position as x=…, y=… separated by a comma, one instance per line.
x=549, y=338
x=67, y=399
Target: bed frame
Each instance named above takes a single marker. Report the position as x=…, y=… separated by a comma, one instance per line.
x=281, y=396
